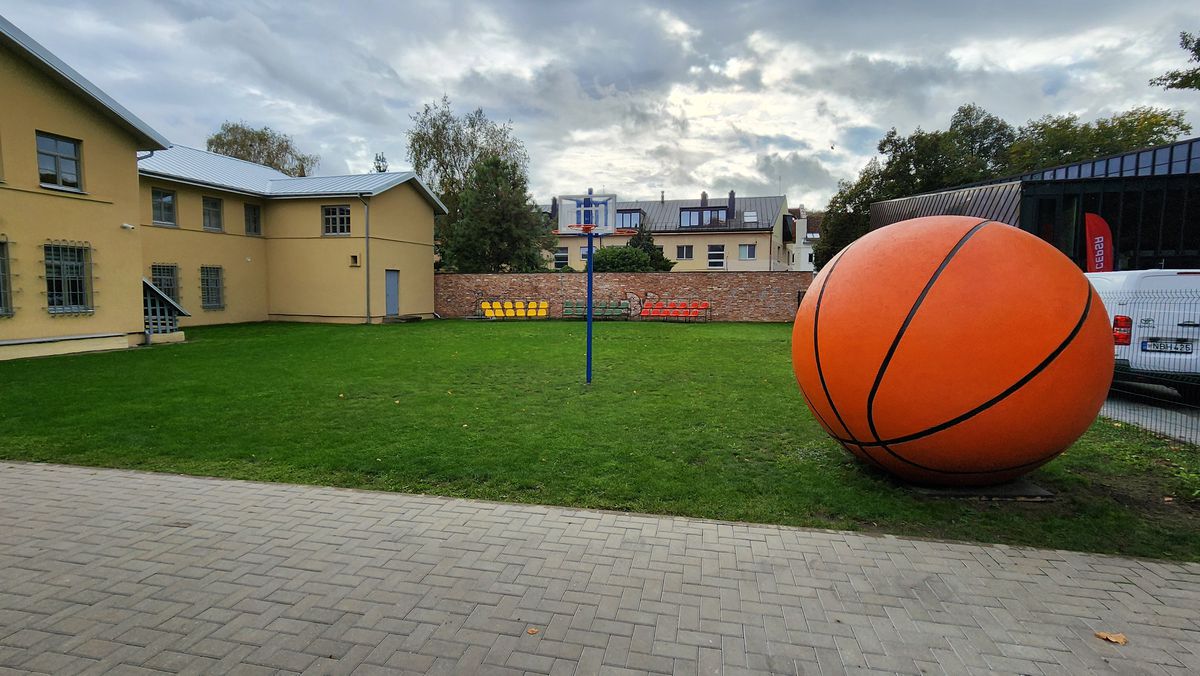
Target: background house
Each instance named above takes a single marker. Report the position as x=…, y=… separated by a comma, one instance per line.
x=729, y=233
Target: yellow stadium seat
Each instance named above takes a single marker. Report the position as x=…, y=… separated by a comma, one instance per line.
x=542, y=312
x=544, y=305
x=488, y=313
x=508, y=305
x=486, y=305
x=520, y=305
x=508, y=312
x=520, y=312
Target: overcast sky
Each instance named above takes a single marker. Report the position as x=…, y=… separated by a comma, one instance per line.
x=629, y=97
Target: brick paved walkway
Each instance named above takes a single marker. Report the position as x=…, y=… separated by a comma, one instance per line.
x=121, y=572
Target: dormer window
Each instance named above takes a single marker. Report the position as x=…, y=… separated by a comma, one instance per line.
x=629, y=218
x=702, y=217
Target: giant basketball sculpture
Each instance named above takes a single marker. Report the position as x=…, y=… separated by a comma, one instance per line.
x=952, y=350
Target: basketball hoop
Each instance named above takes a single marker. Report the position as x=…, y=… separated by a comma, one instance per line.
x=585, y=228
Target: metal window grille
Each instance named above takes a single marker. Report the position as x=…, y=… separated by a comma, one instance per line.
x=68, y=278
x=163, y=206
x=212, y=214
x=253, y=219
x=6, y=301
x=716, y=255
x=212, y=287
x=58, y=160
x=560, y=258
x=684, y=252
x=159, y=315
x=166, y=278
x=335, y=219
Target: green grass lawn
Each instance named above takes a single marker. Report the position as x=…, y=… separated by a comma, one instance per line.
x=696, y=420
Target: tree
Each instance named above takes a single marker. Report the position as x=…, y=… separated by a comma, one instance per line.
x=444, y=149
x=1183, y=79
x=263, y=146
x=381, y=163
x=1058, y=139
x=621, y=259
x=644, y=241
x=982, y=140
x=498, y=229
x=848, y=215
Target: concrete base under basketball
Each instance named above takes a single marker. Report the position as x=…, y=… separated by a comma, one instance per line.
x=1019, y=490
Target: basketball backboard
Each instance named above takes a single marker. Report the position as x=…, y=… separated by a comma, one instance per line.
x=596, y=210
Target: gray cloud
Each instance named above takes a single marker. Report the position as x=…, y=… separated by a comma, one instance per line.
x=677, y=96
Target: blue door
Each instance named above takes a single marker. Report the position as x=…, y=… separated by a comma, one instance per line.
x=391, y=285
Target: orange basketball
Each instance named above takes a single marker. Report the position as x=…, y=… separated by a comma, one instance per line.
x=953, y=350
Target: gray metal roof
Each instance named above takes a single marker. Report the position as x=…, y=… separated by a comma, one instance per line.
x=200, y=166
x=663, y=215
x=15, y=39
x=189, y=165
x=998, y=202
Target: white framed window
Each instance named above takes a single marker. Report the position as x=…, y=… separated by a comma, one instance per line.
x=68, y=278
x=747, y=252
x=335, y=220
x=214, y=214
x=253, y=220
x=716, y=256
x=560, y=257
x=162, y=204
x=583, y=252
x=629, y=219
x=683, y=252
x=212, y=287
x=166, y=277
x=58, y=161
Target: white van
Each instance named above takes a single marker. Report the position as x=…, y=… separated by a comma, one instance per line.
x=1155, y=315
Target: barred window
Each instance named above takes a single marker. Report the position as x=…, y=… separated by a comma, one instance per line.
x=162, y=204
x=560, y=257
x=212, y=287
x=6, y=301
x=166, y=278
x=68, y=278
x=253, y=219
x=335, y=219
x=212, y=214
x=58, y=161
x=716, y=256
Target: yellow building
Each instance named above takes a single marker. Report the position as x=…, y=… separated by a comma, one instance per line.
x=101, y=248
x=725, y=234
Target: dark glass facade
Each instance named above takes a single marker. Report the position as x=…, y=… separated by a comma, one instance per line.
x=1150, y=199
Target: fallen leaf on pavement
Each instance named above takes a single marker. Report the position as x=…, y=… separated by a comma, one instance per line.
x=1119, y=639
x=532, y=631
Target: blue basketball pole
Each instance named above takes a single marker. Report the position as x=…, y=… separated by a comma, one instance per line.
x=589, y=316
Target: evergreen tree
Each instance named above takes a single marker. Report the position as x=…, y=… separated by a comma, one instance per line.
x=499, y=229
x=645, y=241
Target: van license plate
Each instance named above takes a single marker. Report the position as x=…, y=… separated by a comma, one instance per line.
x=1159, y=346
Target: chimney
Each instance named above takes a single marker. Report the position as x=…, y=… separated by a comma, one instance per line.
x=731, y=208
x=704, y=198
x=662, y=196
x=554, y=211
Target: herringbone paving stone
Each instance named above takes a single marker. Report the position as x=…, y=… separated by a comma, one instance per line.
x=106, y=571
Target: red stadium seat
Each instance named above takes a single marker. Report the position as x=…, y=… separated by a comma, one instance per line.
x=694, y=312
x=660, y=305
x=645, y=312
x=704, y=305
x=695, y=303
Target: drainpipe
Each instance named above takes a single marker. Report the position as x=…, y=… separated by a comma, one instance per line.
x=367, y=249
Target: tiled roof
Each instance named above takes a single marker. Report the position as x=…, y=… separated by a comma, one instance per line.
x=189, y=165
x=13, y=38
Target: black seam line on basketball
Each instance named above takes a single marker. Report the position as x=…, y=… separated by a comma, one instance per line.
x=958, y=472
x=912, y=312
x=817, y=350
x=996, y=399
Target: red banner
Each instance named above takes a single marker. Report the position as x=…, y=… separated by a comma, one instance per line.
x=1099, y=243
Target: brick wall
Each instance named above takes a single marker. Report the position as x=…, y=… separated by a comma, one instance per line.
x=735, y=296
